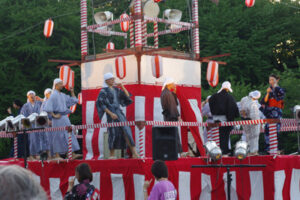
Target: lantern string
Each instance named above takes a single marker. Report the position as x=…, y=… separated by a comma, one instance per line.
x=18, y=32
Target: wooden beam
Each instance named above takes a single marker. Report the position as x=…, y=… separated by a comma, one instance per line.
x=216, y=56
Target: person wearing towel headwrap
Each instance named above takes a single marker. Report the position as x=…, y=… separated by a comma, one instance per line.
x=58, y=106
x=250, y=111
x=32, y=106
x=223, y=107
x=46, y=137
x=169, y=103
x=109, y=102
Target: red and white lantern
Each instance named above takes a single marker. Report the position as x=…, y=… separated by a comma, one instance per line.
x=48, y=28
x=156, y=63
x=80, y=98
x=212, y=74
x=73, y=108
x=249, y=3
x=110, y=46
x=71, y=80
x=157, y=1
x=120, y=63
x=67, y=76
x=124, y=25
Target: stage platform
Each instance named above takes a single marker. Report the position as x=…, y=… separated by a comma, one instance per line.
x=122, y=179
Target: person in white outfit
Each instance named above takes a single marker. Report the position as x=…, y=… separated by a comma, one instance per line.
x=250, y=111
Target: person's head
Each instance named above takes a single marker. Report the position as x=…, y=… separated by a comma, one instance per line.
x=58, y=84
x=273, y=80
x=17, y=104
x=109, y=79
x=170, y=84
x=226, y=86
x=31, y=96
x=19, y=184
x=159, y=169
x=47, y=93
x=83, y=172
x=255, y=95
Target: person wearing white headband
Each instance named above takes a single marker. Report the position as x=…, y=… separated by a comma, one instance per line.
x=250, y=111
x=223, y=107
x=32, y=106
x=169, y=104
x=46, y=137
x=109, y=102
x=58, y=106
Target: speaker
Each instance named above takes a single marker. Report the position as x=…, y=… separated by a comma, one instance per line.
x=165, y=143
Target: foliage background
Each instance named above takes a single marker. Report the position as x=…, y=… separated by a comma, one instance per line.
x=262, y=39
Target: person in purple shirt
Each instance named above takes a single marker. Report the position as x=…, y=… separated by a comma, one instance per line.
x=163, y=189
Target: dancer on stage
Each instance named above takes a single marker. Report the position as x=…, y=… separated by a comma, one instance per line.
x=109, y=101
x=250, y=111
x=32, y=106
x=272, y=105
x=224, y=108
x=169, y=103
x=46, y=137
x=58, y=106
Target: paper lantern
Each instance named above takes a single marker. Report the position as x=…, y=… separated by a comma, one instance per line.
x=120, y=67
x=67, y=76
x=48, y=28
x=71, y=80
x=73, y=108
x=110, y=46
x=157, y=1
x=249, y=3
x=212, y=74
x=80, y=98
x=124, y=25
x=156, y=63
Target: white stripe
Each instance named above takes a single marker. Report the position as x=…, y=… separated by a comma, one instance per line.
x=205, y=187
x=279, y=178
x=197, y=112
x=233, y=185
x=138, y=181
x=184, y=185
x=96, y=180
x=139, y=108
x=157, y=110
x=257, y=185
x=101, y=138
x=295, y=185
x=55, y=192
x=90, y=106
x=208, y=72
x=118, y=187
x=66, y=75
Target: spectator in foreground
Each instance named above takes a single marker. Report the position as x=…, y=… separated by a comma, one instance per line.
x=84, y=190
x=17, y=183
x=163, y=189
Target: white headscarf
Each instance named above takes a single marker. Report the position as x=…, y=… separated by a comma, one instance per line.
x=47, y=91
x=167, y=82
x=106, y=77
x=56, y=81
x=226, y=85
x=30, y=92
x=255, y=94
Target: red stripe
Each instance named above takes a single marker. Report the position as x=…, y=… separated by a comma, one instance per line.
x=157, y=66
